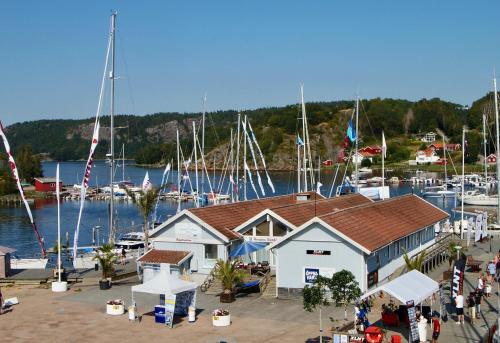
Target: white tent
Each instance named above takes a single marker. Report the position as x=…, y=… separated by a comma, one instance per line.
x=411, y=286
x=164, y=283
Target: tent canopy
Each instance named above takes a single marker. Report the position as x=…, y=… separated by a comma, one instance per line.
x=164, y=283
x=411, y=286
x=247, y=247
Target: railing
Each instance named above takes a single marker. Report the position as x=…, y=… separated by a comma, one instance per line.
x=265, y=281
x=208, y=281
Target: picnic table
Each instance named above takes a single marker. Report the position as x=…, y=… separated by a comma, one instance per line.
x=475, y=265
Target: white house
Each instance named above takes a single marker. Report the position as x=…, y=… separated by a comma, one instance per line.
x=429, y=137
x=426, y=156
x=367, y=240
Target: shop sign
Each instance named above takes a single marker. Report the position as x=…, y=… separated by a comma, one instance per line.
x=310, y=274
x=318, y=252
x=410, y=305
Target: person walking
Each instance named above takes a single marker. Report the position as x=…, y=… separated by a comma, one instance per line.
x=1, y=301
x=480, y=282
x=492, y=270
x=124, y=255
x=436, y=327
x=459, y=305
x=477, y=300
x=471, y=303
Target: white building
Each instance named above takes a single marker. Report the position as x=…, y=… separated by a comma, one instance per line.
x=426, y=156
x=368, y=240
x=429, y=137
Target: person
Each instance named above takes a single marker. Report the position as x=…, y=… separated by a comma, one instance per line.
x=1, y=301
x=422, y=327
x=124, y=254
x=477, y=300
x=436, y=327
x=471, y=303
x=491, y=268
x=487, y=290
x=459, y=305
x=480, y=282
x=497, y=258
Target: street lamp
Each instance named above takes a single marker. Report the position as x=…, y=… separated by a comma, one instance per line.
x=457, y=248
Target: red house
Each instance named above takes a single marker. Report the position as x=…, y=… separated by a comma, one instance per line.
x=327, y=163
x=491, y=159
x=449, y=146
x=371, y=149
x=46, y=184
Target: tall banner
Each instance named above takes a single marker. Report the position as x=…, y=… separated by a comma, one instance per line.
x=457, y=279
x=412, y=318
x=485, y=225
x=269, y=182
x=15, y=174
x=85, y=183
x=479, y=228
x=470, y=225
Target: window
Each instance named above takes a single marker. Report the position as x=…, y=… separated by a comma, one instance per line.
x=262, y=229
x=279, y=229
x=210, y=251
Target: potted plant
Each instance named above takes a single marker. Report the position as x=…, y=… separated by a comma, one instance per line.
x=106, y=258
x=227, y=273
x=115, y=307
x=221, y=317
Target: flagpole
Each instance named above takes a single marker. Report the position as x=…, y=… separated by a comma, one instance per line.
x=58, y=224
x=245, y=158
x=356, y=147
x=112, y=144
x=383, y=157
x=196, y=165
x=498, y=147
x=463, y=184
x=238, y=160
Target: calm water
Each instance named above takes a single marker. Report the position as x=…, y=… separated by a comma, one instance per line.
x=16, y=231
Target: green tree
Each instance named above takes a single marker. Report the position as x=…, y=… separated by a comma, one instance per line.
x=344, y=289
x=365, y=162
x=227, y=273
x=145, y=201
x=415, y=263
x=7, y=182
x=106, y=258
x=29, y=165
x=317, y=296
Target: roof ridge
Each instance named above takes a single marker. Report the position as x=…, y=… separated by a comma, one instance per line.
x=310, y=202
x=373, y=203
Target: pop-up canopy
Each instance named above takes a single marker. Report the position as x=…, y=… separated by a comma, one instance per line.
x=410, y=286
x=164, y=283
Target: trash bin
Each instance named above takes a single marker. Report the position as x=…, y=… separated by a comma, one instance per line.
x=131, y=313
x=160, y=314
x=191, y=314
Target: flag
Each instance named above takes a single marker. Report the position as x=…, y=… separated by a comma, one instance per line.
x=269, y=182
x=251, y=180
x=299, y=141
x=164, y=176
x=15, y=174
x=384, y=146
x=479, y=228
x=351, y=132
x=484, y=232
x=146, y=183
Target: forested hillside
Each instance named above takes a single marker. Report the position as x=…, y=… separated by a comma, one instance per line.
x=151, y=138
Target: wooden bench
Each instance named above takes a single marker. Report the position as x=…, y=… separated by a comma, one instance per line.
x=475, y=265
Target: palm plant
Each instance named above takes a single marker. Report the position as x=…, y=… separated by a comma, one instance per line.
x=227, y=273
x=145, y=201
x=415, y=263
x=106, y=258
x=451, y=252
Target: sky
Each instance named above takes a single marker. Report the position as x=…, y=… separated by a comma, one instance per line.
x=242, y=54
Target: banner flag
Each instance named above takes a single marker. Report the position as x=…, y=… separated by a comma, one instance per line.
x=163, y=178
x=269, y=182
x=251, y=181
x=15, y=174
x=457, y=278
x=479, y=228
x=249, y=141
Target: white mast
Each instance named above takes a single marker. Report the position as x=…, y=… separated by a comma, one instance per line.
x=498, y=147
x=485, y=161
x=356, y=146
x=123, y=162
x=238, y=160
x=445, y=161
x=232, y=165
x=178, y=173
x=112, y=141
x=384, y=148
x=58, y=191
x=304, y=135
x=244, y=158
x=203, y=141
x=298, y=165
x=197, y=199
x=463, y=184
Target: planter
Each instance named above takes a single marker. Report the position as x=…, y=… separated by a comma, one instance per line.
x=104, y=284
x=221, y=320
x=227, y=297
x=115, y=307
x=59, y=286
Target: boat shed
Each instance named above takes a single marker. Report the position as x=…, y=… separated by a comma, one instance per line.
x=369, y=240
x=46, y=184
x=208, y=232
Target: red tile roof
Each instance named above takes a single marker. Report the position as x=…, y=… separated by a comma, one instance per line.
x=298, y=214
x=377, y=224
x=163, y=256
x=224, y=218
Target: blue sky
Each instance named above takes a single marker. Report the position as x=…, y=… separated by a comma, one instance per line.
x=244, y=54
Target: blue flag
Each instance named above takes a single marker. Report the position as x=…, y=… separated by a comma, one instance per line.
x=299, y=141
x=351, y=132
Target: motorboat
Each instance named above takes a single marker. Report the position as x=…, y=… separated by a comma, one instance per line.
x=475, y=198
x=437, y=192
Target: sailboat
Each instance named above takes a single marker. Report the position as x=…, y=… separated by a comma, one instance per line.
x=440, y=191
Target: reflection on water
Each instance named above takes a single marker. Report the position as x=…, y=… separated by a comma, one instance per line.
x=16, y=231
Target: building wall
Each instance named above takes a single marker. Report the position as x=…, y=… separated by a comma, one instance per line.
x=187, y=235
x=293, y=258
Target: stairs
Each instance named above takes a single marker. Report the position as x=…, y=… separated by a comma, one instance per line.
x=270, y=291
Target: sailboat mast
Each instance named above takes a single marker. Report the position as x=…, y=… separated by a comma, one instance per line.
x=58, y=190
x=497, y=146
x=298, y=167
x=178, y=173
x=463, y=185
x=112, y=123
x=231, y=157
x=238, y=160
x=197, y=199
x=123, y=162
x=244, y=158
x=304, y=135
x=356, y=145
x=485, y=161
x=445, y=161
x=203, y=141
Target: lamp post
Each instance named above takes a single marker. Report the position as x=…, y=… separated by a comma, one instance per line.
x=457, y=248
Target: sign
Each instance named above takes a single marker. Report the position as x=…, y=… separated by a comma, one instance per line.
x=372, y=278
x=187, y=232
x=311, y=273
x=457, y=278
x=265, y=239
x=414, y=337
x=318, y=252
x=479, y=228
x=169, y=309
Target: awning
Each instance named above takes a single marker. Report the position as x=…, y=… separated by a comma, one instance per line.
x=246, y=248
x=411, y=286
x=164, y=283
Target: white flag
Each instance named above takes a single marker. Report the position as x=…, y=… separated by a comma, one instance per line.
x=384, y=146
x=479, y=228
x=485, y=224
x=251, y=180
x=269, y=182
x=146, y=183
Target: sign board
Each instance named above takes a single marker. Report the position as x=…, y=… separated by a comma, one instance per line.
x=318, y=252
x=479, y=228
x=414, y=337
x=187, y=232
x=311, y=273
x=457, y=278
x=169, y=309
